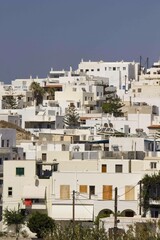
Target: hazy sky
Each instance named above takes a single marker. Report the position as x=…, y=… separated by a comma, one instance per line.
x=36, y=35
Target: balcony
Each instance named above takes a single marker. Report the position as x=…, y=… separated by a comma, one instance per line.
x=89, y=103
x=34, y=204
x=154, y=202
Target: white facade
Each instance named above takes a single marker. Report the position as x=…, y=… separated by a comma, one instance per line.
x=119, y=73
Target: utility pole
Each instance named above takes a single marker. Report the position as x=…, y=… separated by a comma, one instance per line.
x=140, y=197
x=73, y=217
x=115, y=213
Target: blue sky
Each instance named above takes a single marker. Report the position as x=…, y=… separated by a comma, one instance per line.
x=36, y=35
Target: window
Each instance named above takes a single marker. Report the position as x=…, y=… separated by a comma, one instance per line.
x=105, y=68
x=139, y=89
x=114, y=68
x=107, y=192
x=64, y=191
x=97, y=94
x=1, y=162
x=19, y=171
x=91, y=191
x=83, y=188
x=118, y=168
x=81, y=70
x=124, y=68
x=85, y=98
x=63, y=147
x=110, y=68
x=129, y=193
x=98, y=69
x=87, y=70
x=61, y=138
x=7, y=142
x=10, y=192
x=104, y=168
x=1, y=182
x=153, y=165
x=44, y=156
x=2, y=143
x=92, y=70
x=78, y=104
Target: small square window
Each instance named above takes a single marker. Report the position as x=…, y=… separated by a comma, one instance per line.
x=139, y=89
x=124, y=68
x=98, y=69
x=92, y=70
x=114, y=68
x=10, y=192
x=118, y=168
x=19, y=171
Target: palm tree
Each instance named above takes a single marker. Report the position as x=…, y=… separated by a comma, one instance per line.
x=38, y=92
x=14, y=218
x=51, y=93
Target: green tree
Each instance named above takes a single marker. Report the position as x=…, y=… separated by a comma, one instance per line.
x=71, y=119
x=113, y=104
x=51, y=93
x=9, y=102
x=142, y=230
x=14, y=218
x=150, y=190
x=80, y=233
x=41, y=224
x=38, y=92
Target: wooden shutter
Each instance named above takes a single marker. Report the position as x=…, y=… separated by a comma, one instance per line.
x=129, y=193
x=64, y=192
x=104, y=168
x=107, y=192
x=83, y=188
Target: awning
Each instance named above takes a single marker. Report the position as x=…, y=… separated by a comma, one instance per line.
x=33, y=192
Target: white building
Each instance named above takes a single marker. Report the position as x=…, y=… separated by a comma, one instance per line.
x=120, y=74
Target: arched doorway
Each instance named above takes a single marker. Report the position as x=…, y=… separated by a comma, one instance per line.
x=104, y=213
x=127, y=213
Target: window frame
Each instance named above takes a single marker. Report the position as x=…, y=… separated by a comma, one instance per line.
x=10, y=191
x=117, y=166
x=20, y=171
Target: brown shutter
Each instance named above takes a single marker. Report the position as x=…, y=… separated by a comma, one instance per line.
x=64, y=192
x=107, y=192
x=83, y=188
x=129, y=193
x=104, y=168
